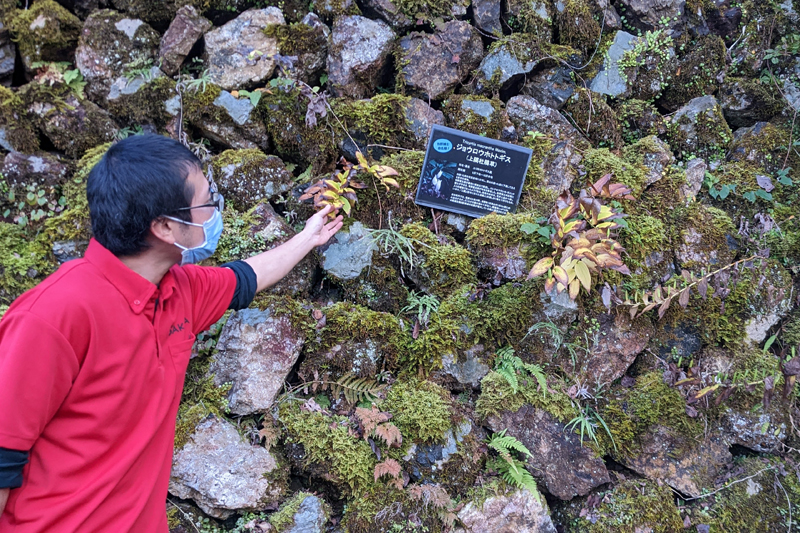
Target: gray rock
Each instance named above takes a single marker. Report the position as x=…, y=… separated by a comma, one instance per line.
x=695, y=174
x=434, y=65
x=311, y=517
x=487, y=16
x=41, y=169
x=561, y=165
x=125, y=86
x=559, y=307
x=699, y=128
x=609, y=81
x=745, y=102
x=517, y=512
x=505, y=66
x=350, y=254
x=72, y=128
x=228, y=48
x=616, y=349
x=759, y=431
x=8, y=52
x=502, y=263
x=768, y=305
x=657, y=158
x=469, y=371
x=358, y=55
x=551, y=87
x=421, y=118
x=223, y=474
x=68, y=250
x=184, y=31
x=390, y=13
x=248, y=176
x=255, y=352
x=567, y=468
x=459, y=222
x=111, y=44
x=240, y=128
x=311, y=63
x=688, y=467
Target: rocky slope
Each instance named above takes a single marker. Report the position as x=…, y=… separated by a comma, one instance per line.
x=374, y=387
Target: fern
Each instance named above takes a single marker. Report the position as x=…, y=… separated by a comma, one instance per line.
x=356, y=389
x=509, y=366
x=510, y=468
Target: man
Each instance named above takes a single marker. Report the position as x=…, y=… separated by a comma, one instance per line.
x=92, y=360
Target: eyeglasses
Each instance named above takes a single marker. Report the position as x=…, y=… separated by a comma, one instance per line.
x=217, y=201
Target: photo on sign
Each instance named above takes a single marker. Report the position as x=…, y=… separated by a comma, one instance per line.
x=437, y=179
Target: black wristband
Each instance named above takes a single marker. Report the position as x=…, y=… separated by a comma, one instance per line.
x=11, y=464
x=246, y=284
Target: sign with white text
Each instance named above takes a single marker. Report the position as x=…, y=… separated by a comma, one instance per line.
x=471, y=175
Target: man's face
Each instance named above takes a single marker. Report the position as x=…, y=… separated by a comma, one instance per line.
x=192, y=236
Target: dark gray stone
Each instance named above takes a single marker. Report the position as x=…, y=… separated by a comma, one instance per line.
x=487, y=16
x=350, y=254
x=609, y=81
x=421, y=118
x=390, y=13
x=358, y=55
x=551, y=87
x=8, y=51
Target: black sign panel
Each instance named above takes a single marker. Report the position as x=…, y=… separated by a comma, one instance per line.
x=471, y=175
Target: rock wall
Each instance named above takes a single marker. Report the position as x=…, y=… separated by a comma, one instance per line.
x=408, y=376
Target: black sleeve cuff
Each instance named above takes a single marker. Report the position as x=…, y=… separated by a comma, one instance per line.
x=246, y=284
x=11, y=464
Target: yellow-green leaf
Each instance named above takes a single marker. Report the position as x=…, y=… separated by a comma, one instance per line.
x=561, y=275
x=541, y=266
x=582, y=271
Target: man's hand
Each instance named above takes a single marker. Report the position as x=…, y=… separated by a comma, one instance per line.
x=271, y=266
x=3, y=499
x=320, y=231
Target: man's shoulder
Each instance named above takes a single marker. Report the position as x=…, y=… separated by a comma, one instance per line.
x=62, y=291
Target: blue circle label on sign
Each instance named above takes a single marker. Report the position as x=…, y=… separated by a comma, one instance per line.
x=442, y=146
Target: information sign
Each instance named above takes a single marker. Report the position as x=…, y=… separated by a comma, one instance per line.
x=471, y=175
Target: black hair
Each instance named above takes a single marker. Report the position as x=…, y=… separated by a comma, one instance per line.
x=138, y=180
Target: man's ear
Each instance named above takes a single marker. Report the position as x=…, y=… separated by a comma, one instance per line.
x=163, y=229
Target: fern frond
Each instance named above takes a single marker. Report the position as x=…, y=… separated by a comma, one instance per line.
x=538, y=373
x=515, y=473
x=502, y=443
x=511, y=377
x=356, y=389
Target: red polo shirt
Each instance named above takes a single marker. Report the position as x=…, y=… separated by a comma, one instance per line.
x=92, y=363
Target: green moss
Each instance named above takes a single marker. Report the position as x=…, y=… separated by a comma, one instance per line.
x=497, y=396
x=648, y=67
x=532, y=19
x=633, y=505
x=500, y=231
x=237, y=239
x=536, y=197
x=382, y=118
x=699, y=62
x=16, y=124
x=469, y=113
x=283, y=519
x=333, y=9
x=759, y=505
x=284, y=117
x=347, y=323
x=577, y=27
x=594, y=117
x=639, y=119
x=424, y=9
x=44, y=32
x=24, y=262
x=146, y=105
x=445, y=267
x=201, y=398
x=326, y=441
x=421, y=410
x=627, y=169
x=386, y=508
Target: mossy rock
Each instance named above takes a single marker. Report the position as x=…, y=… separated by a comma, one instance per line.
x=699, y=130
x=648, y=67
x=44, y=32
x=330, y=10
x=476, y=114
x=142, y=101
x=307, y=42
x=422, y=410
x=16, y=128
x=577, y=26
x=355, y=340
x=765, y=145
x=246, y=177
x=633, y=505
x=284, y=518
x=747, y=101
x=595, y=118
x=627, y=168
x=535, y=18
x=24, y=261
x=756, y=497
x=380, y=289
x=639, y=119
x=381, y=119
x=385, y=508
x=426, y=10
x=699, y=63
x=497, y=396
x=283, y=113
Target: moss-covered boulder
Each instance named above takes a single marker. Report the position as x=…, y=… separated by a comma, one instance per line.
x=594, y=117
x=477, y=115
x=699, y=130
x=443, y=267
x=745, y=101
x=306, y=40
x=17, y=131
x=45, y=32
x=246, y=177
x=110, y=45
x=699, y=64
x=73, y=124
x=577, y=25
x=639, y=119
x=141, y=100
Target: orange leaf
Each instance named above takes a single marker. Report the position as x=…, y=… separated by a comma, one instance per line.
x=390, y=434
x=389, y=467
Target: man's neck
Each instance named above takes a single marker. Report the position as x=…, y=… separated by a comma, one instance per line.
x=151, y=265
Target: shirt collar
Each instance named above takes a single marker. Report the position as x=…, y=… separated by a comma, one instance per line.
x=136, y=290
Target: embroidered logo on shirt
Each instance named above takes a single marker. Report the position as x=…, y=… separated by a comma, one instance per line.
x=178, y=326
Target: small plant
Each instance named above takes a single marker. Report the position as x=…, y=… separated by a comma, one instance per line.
x=422, y=306
x=512, y=368
x=583, y=243
x=393, y=243
x=512, y=469
x=339, y=191
x=587, y=421
x=127, y=131
x=253, y=96
x=200, y=83
x=718, y=193
x=59, y=72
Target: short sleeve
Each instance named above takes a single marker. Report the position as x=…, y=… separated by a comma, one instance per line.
x=37, y=369
x=212, y=292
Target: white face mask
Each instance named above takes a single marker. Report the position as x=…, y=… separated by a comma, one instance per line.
x=212, y=229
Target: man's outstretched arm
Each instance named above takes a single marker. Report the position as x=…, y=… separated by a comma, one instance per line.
x=271, y=266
